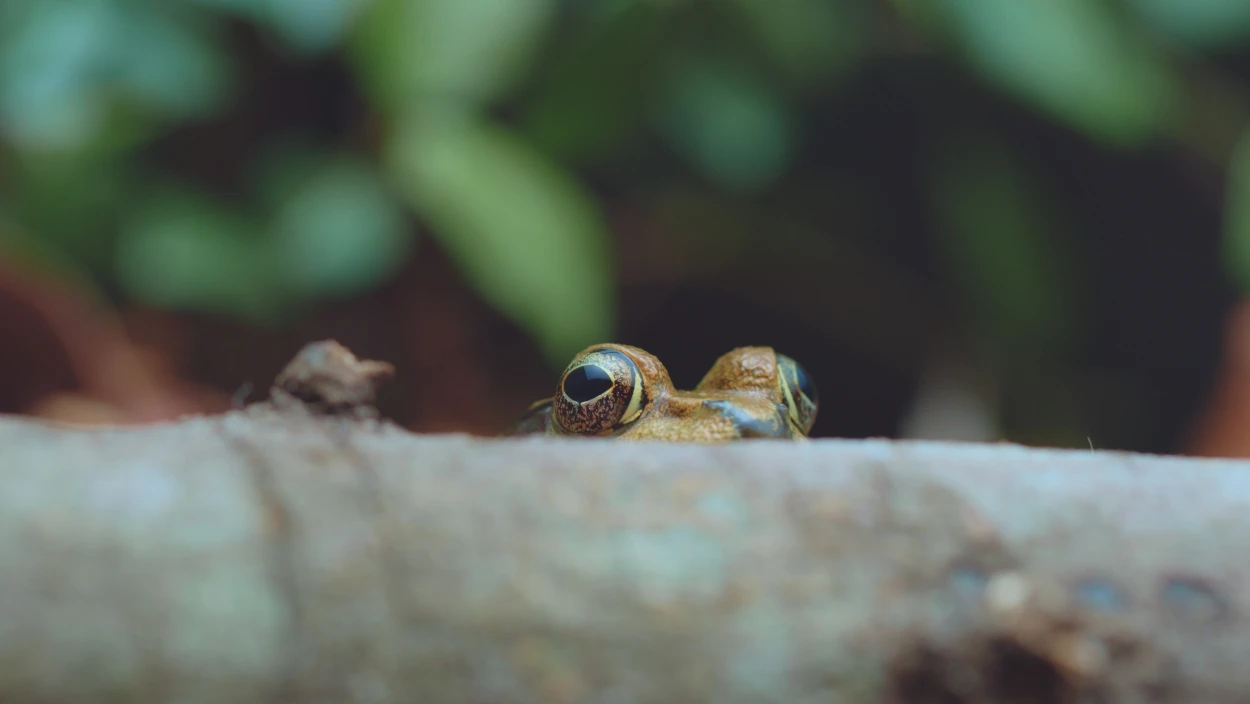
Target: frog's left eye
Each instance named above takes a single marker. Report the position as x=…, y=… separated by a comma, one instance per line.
x=799, y=392
x=600, y=392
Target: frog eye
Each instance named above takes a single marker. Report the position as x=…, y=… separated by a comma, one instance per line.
x=600, y=392
x=799, y=392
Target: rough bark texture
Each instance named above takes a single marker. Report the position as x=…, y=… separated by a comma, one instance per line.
x=261, y=558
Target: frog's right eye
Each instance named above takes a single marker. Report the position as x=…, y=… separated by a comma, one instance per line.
x=600, y=392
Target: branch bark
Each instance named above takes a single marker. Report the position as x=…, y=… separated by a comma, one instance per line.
x=261, y=558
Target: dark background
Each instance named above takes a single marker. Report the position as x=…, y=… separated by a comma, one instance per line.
x=977, y=221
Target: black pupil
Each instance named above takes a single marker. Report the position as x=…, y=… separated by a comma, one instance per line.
x=805, y=384
x=586, y=382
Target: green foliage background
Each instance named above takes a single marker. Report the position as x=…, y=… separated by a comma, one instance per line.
x=487, y=121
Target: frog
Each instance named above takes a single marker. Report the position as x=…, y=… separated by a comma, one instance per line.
x=620, y=391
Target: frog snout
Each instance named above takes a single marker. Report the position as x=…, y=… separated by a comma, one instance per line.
x=753, y=425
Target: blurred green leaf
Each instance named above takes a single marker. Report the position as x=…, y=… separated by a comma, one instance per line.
x=597, y=91
x=71, y=199
x=1207, y=24
x=1071, y=58
x=64, y=65
x=1237, y=215
x=340, y=231
x=460, y=49
x=1004, y=244
x=184, y=251
x=810, y=41
x=523, y=232
x=243, y=8
x=282, y=167
x=311, y=26
x=49, y=56
x=166, y=66
x=308, y=26
x=727, y=121
x=25, y=250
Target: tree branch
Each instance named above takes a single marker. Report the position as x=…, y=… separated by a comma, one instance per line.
x=261, y=557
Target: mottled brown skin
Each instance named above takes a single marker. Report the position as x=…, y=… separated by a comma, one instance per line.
x=743, y=395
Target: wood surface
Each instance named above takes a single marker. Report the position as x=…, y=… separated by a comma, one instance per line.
x=269, y=556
